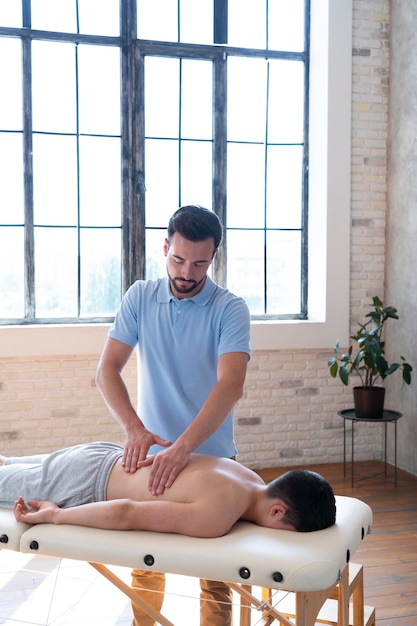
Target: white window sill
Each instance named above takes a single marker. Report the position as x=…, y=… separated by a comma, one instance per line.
x=84, y=339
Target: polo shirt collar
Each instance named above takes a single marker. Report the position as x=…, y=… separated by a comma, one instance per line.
x=201, y=298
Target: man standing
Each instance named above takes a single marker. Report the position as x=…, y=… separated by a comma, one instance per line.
x=192, y=338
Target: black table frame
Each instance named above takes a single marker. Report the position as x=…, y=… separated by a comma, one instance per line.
x=388, y=416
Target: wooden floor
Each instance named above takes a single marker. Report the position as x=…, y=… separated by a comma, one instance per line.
x=389, y=554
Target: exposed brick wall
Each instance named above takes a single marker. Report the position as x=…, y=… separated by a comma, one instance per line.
x=49, y=403
x=369, y=151
x=288, y=415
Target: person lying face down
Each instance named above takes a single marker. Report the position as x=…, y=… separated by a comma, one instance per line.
x=86, y=485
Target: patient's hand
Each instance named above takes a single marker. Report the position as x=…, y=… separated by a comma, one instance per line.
x=40, y=512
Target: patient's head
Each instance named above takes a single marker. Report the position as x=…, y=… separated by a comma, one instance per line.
x=309, y=498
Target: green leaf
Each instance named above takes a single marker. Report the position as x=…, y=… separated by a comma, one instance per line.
x=407, y=369
x=333, y=368
x=358, y=359
x=391, y=311
x=383, y=367
x=390, y=370
x=344, y=374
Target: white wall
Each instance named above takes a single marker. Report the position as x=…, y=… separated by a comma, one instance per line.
x=401, y=257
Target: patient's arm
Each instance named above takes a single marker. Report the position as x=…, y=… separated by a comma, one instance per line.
x=160, y=516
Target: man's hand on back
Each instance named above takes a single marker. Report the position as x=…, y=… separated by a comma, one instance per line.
x=166, y=465
x=137, y=446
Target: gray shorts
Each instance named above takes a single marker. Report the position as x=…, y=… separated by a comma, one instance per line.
x=68, y=477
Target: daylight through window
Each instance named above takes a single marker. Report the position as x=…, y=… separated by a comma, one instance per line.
x=111, y=118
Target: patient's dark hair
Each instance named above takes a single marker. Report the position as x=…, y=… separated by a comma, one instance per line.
x=196, y=224
x=309, y=498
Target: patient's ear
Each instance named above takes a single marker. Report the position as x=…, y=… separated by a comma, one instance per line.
x=278, y=510
x=277, y=516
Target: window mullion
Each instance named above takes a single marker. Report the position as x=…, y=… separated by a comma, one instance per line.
x=132, y=171
x=29, y=247
x=220, y=161
x=220, y=21
x=138, y=240
x=305, y=199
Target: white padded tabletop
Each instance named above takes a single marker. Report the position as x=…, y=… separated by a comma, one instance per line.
x=248, y=554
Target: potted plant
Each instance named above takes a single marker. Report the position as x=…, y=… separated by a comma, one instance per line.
x=369, y=362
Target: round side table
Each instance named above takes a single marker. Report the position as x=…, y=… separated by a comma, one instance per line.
x=387, y=416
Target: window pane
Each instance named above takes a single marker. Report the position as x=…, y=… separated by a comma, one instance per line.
x=286, y=25
x=55, y=186
x=99, y=17
x=10, y=14
x=283, y=272
x=196, y=100
x=99, y=89
x=56, y=267
x=247, y=23
x=150, y=24
x=11, y=179
x=196, y=173
x=245, y=267
x=155, y=258
x=246, y=99
x=11, y=272
x=161, y=97
x=162, y=184
x=284, y=186
x=196, y=21
x=100, y=185
x=11, y=81
x=100, y=271
x=56, y=16
x=245, y=186
x=286, y=102
x=54, y=94
x=62, y=16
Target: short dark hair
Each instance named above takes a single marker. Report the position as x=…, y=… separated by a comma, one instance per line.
x=195, y=223
x=309, y=498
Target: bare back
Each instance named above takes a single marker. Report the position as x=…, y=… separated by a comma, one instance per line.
x=217, y=490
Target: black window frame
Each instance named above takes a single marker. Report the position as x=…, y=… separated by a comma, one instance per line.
x=133, y=53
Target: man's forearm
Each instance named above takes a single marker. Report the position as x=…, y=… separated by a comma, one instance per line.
x=116, y=396
x=110, y=515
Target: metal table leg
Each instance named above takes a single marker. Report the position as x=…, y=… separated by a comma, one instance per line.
x=344, y=447
x=395, y=452
x=353, y=454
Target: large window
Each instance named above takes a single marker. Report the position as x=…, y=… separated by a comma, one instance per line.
x=120, y=121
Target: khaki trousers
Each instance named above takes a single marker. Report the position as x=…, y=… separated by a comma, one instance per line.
x=215, y=599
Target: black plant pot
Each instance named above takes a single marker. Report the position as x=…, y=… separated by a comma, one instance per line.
x=369, y=402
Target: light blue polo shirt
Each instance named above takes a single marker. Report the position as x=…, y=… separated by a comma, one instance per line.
x=178, y=344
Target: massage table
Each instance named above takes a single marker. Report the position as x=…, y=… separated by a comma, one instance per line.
x=310, y=565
